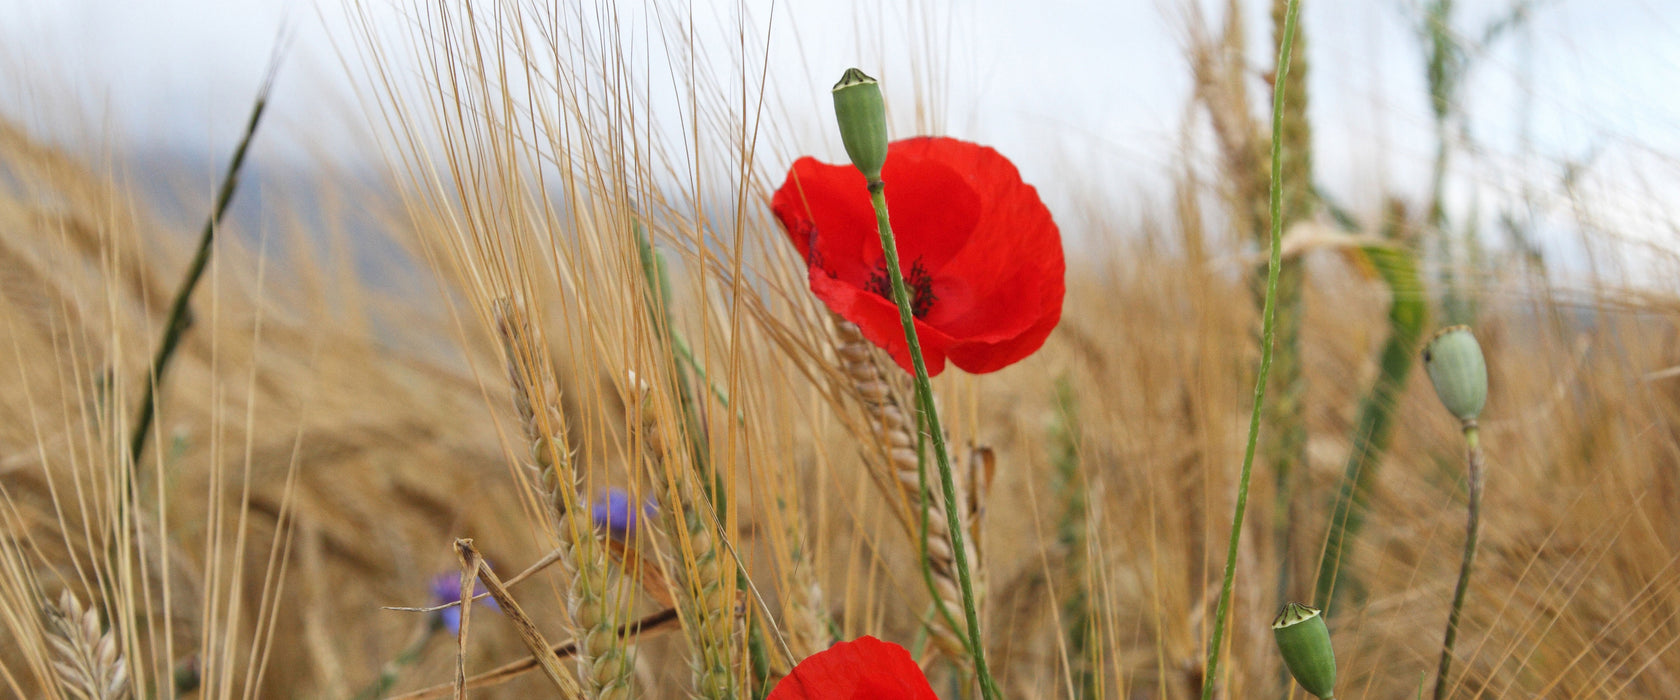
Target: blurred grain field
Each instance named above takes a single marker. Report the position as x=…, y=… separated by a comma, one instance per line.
x=322, y=441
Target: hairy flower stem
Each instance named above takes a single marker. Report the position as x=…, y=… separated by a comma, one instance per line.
x=936, y=434
x=1473, y=460
x=1284, y=445
x=1286, y=45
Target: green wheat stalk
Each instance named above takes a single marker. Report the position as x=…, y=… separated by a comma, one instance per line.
x=1448, y=58
x=1408, y=316
x=180, y=316
x=1071, y=536
x=176, y=325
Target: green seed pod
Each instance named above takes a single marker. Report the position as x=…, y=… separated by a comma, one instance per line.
x=863, y=121
x=1456, y=367
x=1304, y=641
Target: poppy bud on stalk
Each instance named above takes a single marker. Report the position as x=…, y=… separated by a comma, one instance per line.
x=863, y=122
x=1304, y=641
x=1458, y=371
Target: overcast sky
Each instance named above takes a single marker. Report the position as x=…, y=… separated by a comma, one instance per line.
x=1083, y=95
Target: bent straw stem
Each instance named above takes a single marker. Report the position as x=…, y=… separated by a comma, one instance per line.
x=528, y=633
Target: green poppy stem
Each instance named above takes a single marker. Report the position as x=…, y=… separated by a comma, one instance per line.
x=1268, y=331
x=942, y=457
x=1473, y=460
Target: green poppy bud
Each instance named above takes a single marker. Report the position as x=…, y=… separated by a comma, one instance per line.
x=1304, y=641
x=1458, y=370
x=863, y=121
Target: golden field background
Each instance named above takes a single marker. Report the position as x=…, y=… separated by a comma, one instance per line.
x=321, y=440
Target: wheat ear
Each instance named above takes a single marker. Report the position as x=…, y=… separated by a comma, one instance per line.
x=87, y=658
x=707, y=606
x=593, y=596
x=897, y=432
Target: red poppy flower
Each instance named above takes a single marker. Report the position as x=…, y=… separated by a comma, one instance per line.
x=865, y=668
x=978, y=250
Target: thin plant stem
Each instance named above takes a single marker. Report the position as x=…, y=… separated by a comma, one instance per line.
x=1473, y=461
x=1268, y=330
x=392, y=670
x=936, y=434
x=1071, y=537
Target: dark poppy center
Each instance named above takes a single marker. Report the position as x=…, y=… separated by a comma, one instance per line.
x=917, y=279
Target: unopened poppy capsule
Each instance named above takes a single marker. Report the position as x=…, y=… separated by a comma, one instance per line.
x=1304, y=641
x=863, y=121
x=1458, y=371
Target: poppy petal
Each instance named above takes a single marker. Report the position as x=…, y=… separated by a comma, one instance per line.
x=931, y=201
x=980, y=357
x=865, y=668
x=827, y=214
x=1011, y=264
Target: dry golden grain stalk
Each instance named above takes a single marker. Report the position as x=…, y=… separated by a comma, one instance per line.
x=595, y=597
x=649, y=625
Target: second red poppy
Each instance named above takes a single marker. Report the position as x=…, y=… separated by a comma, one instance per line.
x=865, y=668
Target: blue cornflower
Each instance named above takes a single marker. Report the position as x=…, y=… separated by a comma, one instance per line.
x=446, y=588
x=614, y=512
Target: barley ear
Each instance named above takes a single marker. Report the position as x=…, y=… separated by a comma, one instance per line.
x=896, y=431
x=693, y=558
x=87, y=657
x=594, y=599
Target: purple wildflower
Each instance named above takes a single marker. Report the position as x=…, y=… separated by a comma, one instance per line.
x=446, y=588
x=615, y=513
